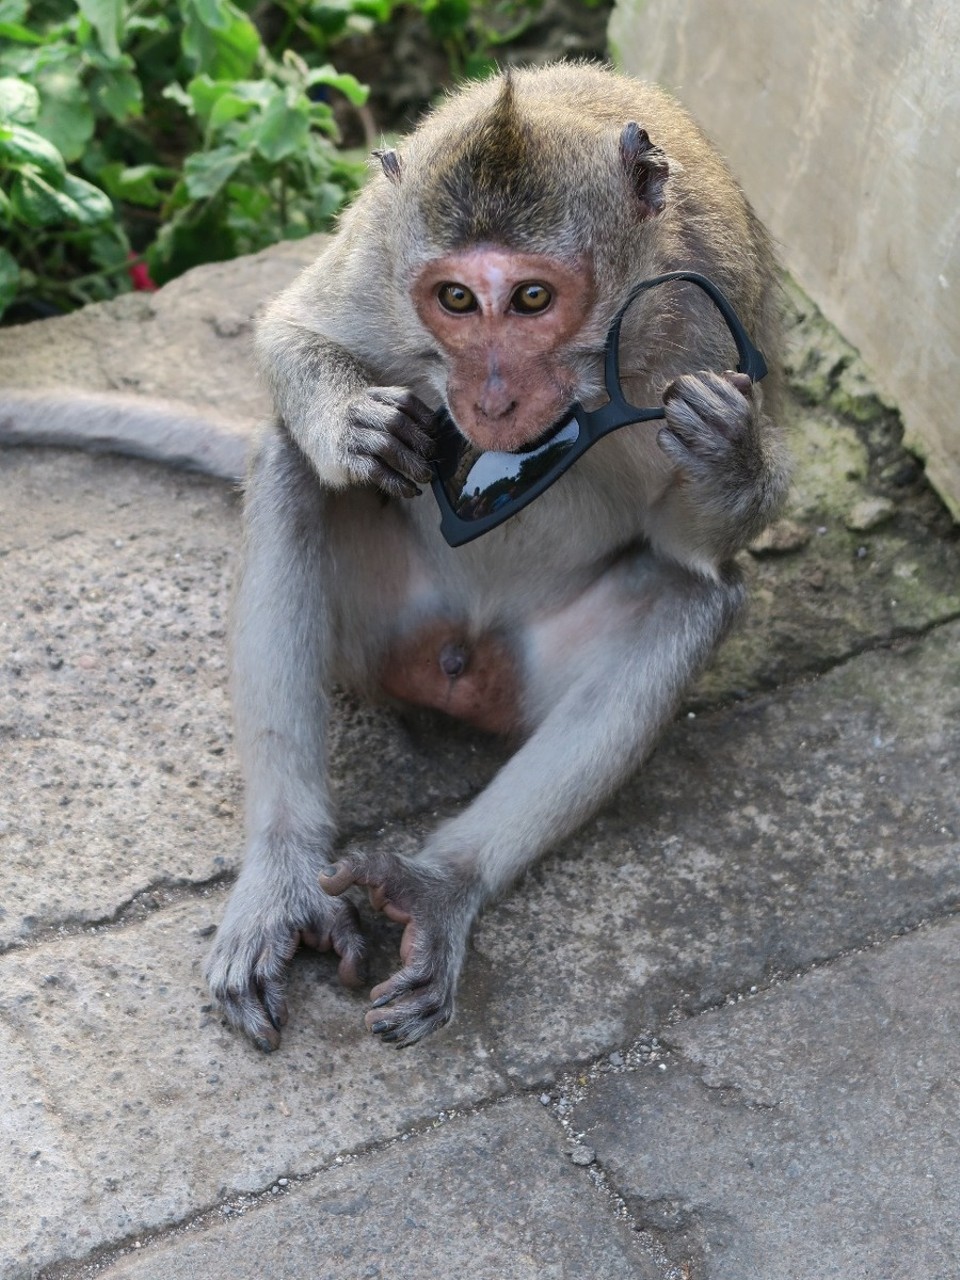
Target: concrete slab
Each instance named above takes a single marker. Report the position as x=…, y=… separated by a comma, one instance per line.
x=484, y=1197
x=807, y=1133
x=762, y=837
x=115, y=739
x=131, y=1106
x=758, y=840
x=190, y=341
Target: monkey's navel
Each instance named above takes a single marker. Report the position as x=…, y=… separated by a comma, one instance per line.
x=454, y=659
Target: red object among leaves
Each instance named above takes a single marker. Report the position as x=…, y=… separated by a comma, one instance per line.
x=139, y=274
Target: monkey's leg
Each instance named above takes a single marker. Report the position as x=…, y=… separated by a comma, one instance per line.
x=604, y=676
x=281, y=658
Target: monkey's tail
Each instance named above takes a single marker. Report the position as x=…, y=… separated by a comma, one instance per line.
x=107, y=422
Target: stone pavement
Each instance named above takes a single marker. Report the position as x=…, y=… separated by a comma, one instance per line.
x=715, y=1035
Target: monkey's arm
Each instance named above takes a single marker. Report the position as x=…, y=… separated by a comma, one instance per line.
x=352, y=429
x=730, y=471
x=609, y=697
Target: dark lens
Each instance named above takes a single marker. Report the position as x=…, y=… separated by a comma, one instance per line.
x=479, y=484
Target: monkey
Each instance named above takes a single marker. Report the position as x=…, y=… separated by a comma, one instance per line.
x=479, y=271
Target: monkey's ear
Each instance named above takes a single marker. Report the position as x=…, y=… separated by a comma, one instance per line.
x=390, y=164
x=646, y=168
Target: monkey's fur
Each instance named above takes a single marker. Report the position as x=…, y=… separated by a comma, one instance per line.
x=575, y=625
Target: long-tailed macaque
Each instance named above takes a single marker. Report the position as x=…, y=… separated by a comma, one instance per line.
x=480, y=269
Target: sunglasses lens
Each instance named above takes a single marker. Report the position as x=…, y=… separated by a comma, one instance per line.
x=478, y=484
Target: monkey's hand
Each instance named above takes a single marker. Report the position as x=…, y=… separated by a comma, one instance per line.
x=437, y=908
x=388, y=441
x=731, y=476
x=261, y=929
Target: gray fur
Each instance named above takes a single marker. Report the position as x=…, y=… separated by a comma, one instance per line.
x=611, y=590
x=605, y=655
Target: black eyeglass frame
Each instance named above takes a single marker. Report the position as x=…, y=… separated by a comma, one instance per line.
x=593, y=424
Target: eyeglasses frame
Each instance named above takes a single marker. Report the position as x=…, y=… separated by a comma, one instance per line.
x=593, y=424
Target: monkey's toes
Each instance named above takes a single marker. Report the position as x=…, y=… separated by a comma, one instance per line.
x=343, y=937
x=409, y=1006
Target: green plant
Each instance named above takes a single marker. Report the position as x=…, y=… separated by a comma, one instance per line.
x=141, y=137
x=163, y=132
x=472, y=33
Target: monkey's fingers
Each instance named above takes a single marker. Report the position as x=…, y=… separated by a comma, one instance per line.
x=705, y=409
x=350, y=945
x=404, y=401
x=387, y=877
x=382, y=460
x=341, y=877
x=343, y=937
x=741, y=381
x=380, y=902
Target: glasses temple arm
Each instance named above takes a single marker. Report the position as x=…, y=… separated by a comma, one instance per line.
x=750, y=359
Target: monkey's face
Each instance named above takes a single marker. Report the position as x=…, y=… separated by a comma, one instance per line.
x=506, y=323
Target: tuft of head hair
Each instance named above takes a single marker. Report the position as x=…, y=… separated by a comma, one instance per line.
x=492, y=183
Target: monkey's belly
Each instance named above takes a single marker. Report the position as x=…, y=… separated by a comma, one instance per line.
x=473, y=680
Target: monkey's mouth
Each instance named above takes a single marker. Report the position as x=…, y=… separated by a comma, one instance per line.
x=477, y=490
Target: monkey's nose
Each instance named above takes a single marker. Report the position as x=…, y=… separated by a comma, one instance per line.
x=494, y=406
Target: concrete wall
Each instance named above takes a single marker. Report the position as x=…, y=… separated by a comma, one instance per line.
x=842, y=120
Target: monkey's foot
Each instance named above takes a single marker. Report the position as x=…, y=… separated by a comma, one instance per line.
x=247, y=968
x=437, y=908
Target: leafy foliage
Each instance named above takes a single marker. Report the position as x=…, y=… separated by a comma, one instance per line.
x=167, y=131
x=141, y=137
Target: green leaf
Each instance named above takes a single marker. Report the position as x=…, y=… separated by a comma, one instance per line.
x=9, y=279
x=446, y=17
x=281, y=130
x=252, y=203
x=156, y=24
x=176, y=93
x=20, y=34
x=216, y=102
x=379, y=10
x=323, y=119
x=189, y=240
x=20, y=146
x=348, y=85
x=109, y=247
x=19, y=101
x=13, y=10
x=327, y=199
x=66, y=118
x=136, y=184
x=93, y=204
x=6, y=213
x=119, y=93
x=37, y=203
x=478, y=66
x=229, y=106
x=214, y=13
x=229, y=53
x=207, y=171
x=106, y=17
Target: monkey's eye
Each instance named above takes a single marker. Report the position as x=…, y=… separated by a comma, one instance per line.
x=531, y=298
x=456, y=298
